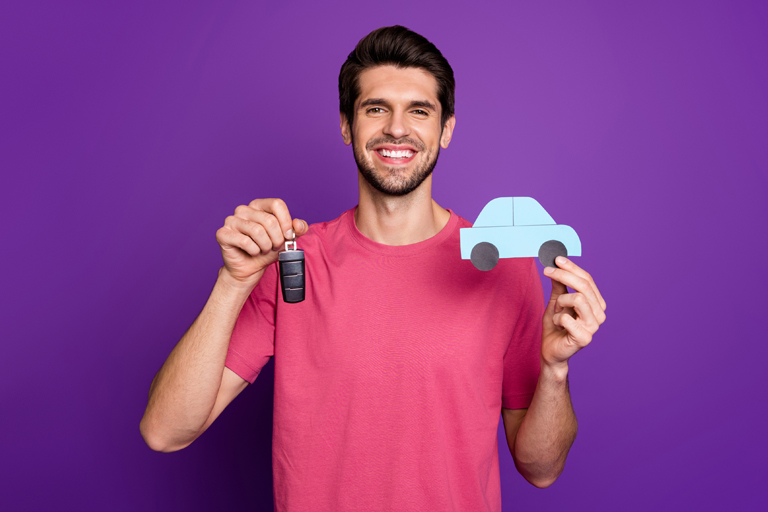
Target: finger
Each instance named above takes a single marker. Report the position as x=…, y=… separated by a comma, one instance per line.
x=268, y=221
x=557, y=318
x=583, y=308
x=300, y=227
x=566, y=264
x=255, y=230
x=580, y=284
x=278, y=208
x=558, y=288
x=567, y=278
x=563, y=311
x=576, y=331
x=229, y=239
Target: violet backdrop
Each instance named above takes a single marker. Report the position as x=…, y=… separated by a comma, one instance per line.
x=131, y=130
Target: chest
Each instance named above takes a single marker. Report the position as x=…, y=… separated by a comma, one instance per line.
x=390, y=321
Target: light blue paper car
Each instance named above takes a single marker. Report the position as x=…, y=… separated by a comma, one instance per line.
x=516, y=227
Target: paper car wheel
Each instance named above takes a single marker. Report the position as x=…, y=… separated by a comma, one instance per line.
x=484, y=256
x=551, y=250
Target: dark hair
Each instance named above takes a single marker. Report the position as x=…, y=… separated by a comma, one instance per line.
x=402, y=48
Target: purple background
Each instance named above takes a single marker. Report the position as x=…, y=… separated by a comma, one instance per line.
x=129, y=131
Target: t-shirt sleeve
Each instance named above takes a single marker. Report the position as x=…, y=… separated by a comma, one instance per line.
x=522, y=360
x=253, y=338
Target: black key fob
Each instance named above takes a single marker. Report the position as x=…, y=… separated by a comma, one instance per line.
x=291, y=263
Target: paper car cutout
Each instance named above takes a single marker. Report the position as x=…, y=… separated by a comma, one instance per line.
x=516, y=227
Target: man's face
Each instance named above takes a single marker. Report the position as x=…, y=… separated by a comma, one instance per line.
x=396, y=134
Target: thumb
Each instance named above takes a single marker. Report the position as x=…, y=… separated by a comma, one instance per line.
x=300, y=227
x=558, y=289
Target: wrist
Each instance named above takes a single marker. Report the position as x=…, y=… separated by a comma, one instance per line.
x=239, y=286
x=557, y=372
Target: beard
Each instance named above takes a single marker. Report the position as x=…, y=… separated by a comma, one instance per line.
x=394, y=181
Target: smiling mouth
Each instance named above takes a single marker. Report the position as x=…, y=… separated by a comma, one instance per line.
x=396, y=154
x=394, y=157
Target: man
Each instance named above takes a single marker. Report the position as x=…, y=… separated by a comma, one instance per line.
x=391, y=375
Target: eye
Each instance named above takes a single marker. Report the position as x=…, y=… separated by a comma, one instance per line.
x=421, y=112
x=374, y=110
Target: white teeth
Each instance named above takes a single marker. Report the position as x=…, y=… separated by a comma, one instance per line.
x=396, y=154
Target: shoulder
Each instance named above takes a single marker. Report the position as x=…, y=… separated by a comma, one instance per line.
x=320, y=233
x=462, y=222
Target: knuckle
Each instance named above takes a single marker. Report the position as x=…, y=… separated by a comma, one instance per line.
x=246, y=241
x=271, y=222
x=579, y=299
x=241, y=210
x=277, y=203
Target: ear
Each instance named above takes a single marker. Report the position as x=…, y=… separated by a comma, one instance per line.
x=445, y=138
x=346, y=131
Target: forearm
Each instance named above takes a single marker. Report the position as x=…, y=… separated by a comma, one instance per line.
x=184, y=391
x=548, y=429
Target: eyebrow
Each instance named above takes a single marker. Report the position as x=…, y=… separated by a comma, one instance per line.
x=380, y=101
x=424, y=104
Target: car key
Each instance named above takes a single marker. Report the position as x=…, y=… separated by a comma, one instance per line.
x=291, y=263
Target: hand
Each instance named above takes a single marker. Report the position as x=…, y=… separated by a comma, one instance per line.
x=251, y=239
x=570, y=319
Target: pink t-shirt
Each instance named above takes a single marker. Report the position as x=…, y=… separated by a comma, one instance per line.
x=391, y=375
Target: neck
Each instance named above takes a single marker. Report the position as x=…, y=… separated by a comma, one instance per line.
x=399, y=220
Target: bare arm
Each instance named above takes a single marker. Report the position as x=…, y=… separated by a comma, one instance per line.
x=185, y=390
x=193, y=386
x=540, y=437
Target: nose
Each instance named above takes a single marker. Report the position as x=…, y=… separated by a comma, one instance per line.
x=397, y=125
